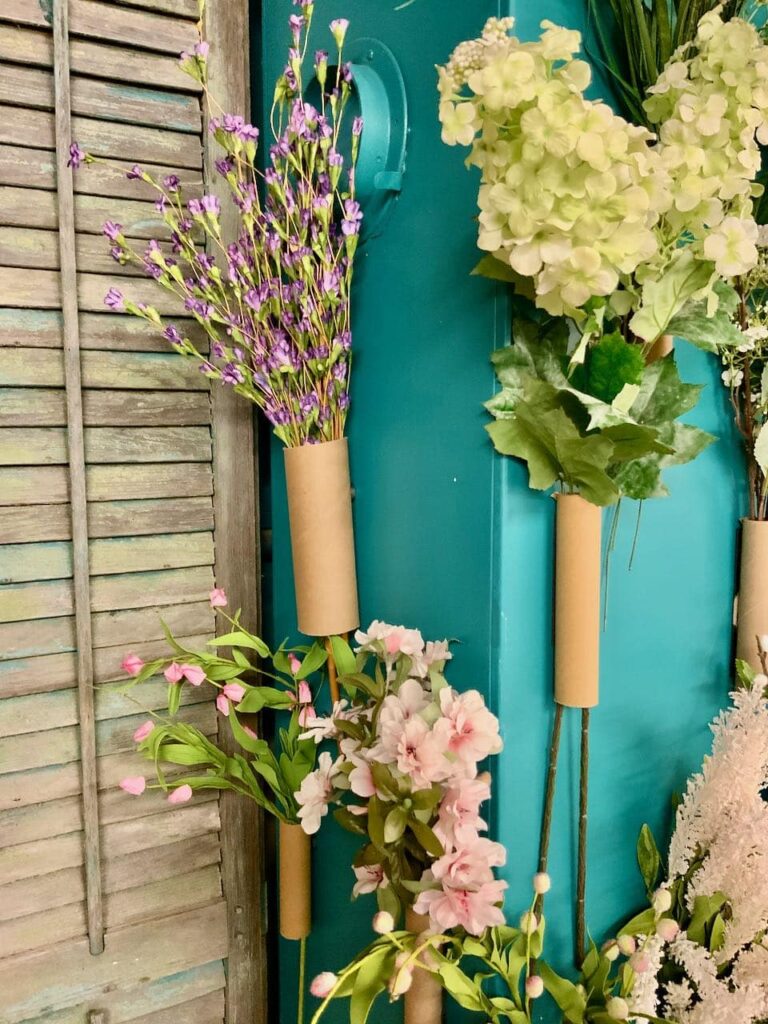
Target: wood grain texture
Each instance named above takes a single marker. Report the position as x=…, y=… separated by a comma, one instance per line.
x=34, y=289
x=237, y=566
x=36, y=446
x=112, y=101
x=173, y=994
x=179, y=8
x=34, y=47
x=52, y=980
x=43, y=367
x=38, y=328
x=38, y=249
x=46, y=407
x=47, y=485
x=108, y=22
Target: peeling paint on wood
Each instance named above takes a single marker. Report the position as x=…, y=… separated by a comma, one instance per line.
x=36, y=208
x=46, y=407
x=47, y=485
x=36, y=288
x=46, y=446
x=37, y=328
x=44, y=367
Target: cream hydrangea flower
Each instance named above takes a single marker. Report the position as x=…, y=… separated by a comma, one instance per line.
x=732, y=247
x=459, y=123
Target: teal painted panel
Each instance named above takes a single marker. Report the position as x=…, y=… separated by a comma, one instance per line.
x=451, y=539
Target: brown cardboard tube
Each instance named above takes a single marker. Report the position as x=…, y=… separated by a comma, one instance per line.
x=424, y=999
x=577, y=602
x=322, y=537
x=660, y=348
x=752, y=608
x=295, y=882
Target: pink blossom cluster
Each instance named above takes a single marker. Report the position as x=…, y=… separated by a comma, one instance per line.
x=428, y=737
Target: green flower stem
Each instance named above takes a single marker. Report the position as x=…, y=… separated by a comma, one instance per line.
x=549, y=799
x=302, y=979
x=581, y=874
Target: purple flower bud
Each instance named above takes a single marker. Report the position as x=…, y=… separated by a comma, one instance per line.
x=231, y=374
x=161, y=204
x=112, y=230
x=217, y=349
x=171, y=182
x=76, y=156
x=335, y=159
x=357, y=126
x=248, y=133
x=224, y=167
x=321, y=57
x=172, y=334
x=202, y=49
x=211, y=205
x=353, y=215
x=232, y=123
x=114, y=299
x=135, y=173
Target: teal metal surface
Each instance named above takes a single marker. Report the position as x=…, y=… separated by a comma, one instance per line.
x=451, y=539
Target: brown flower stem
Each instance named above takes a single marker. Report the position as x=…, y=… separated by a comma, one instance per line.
x=333, y=680
x=581, y=871
x=549, y=797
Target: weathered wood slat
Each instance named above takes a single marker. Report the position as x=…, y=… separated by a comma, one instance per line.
x=146, y=902
x=59, y=746
x=48, y=672
x=42, y=711
x=46, y=446
x=35, y=288
x=205, y=1010
x=38, y=250
x=51, y=980
x=45, y=407
x=52, y=598
x=120, y=837
x=23, y=126
x=173, y=995
x=36, y=208
x=30, y=46
x=107, y=21
x=21, y=563
x=31, y=367
x=37, y=328
x=113, y=101
x=46, y=485
x=52, y=636
x=62, y=888
x=179, y=8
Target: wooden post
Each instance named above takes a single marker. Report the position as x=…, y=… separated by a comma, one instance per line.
x=76, y=455
x=237, y=566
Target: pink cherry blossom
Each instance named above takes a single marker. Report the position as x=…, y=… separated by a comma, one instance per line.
x=143, y=731
x=307, y=715
x=436, y=652
x=361, y=778
x=470, y=866
x=420, y=755
x=132, y=664
x=467, y=727
x=370, y=877
x=222, y=704
x=294, y=662
x=397, y=709
x=305, y=694
x=193, y=674
x=180, y=795
x=322, y=985
x=315, y=792
x=174, y=673
x=218, y=598
x=458, y=820
x=134, y=784
x=234, y=691
x=472, y=909
x=383, y=923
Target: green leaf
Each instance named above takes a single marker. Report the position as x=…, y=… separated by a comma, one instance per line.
x=643, y=923
x=710, y=333
x=312, y=661
x=174, y=698
x=705, y=909
x=426, y=837
x=511, y=437
x=610, y=365
x=259, y=697
x=761, y=448
x=350, y=822
x=371, y=980
x=346, y=663
x=494, y=269
x=664, y=298
x=253, y=746
x=462, y=988
x=394, y=824
x=239, y=638
x=648, y=858
x=567, y=996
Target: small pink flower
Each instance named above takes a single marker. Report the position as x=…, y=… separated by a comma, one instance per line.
x=143, y=731
x=174, y=673
x=322, y=985
x=305, y=694
x=383, y=923
x=218, y=598
x=667, y=929
x=134, y=784
x=640, y=962
x=180, y=795
x=534, y=986
x=307, y=714
x=250, y=732
x=370, y=877
x=473, y=909
x=222, y=704
x=132, y=664
x=234, y=691
x=193, y=674
x=295, y=664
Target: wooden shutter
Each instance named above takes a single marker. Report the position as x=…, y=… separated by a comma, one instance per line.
x=111, y=449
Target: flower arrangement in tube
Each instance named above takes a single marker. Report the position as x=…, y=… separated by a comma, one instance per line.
x=244, y=686
x=272, y=296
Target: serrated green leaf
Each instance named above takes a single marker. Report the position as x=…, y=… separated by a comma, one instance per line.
x=710, y=333
x=663, y=299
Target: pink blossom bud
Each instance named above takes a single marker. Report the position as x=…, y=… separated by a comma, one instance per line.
x=305, y=694
x=294, y=662
x=223, y=705
x=174, y=673
x=180, y=795
x=402, y=978
x=134, y=784
x=534, y=986
x=662, y=901
x=626, y=944
x=528, y=922
x=541, y=883
x=218, y=598
x=640, y=962
x=667, y=929
x=250, y=732
x=143, y=731
x=234, y=691
x=322, y=984
x=132, y=664
x=193, y=674
x=383, y=922
x=617, y=1008
x=610, y=950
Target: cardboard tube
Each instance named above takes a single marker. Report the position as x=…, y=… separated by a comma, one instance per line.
x=752, y=608
x=295, y=882
x=424, y=999
x=577, y=602
x=322, y=537
x=660, y=348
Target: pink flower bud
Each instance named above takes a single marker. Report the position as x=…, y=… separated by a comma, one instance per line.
x=617, y=1008
x=132, y=664
x=180, y=795
x=250, y=732
x=193, y=674
x=218, y=598
x=223, y=705
x=143, y=731
x=662, y=901
x=294, y=662
x=234, y=691
x=402, y=979
x=534, y=986
x=541, y=883
x=610, y=950
x=134, y=784
x=305, y=694
x=626, y=944
x=322, y=985
x=667, y=929
x=383, y=922
x=640, y=962
x=529, y=922
x=174, y=673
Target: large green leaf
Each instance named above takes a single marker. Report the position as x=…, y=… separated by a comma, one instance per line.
x=663, y=299
x=710, y=333
x=371, y=980
x=512, y=437
x=568, y=997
